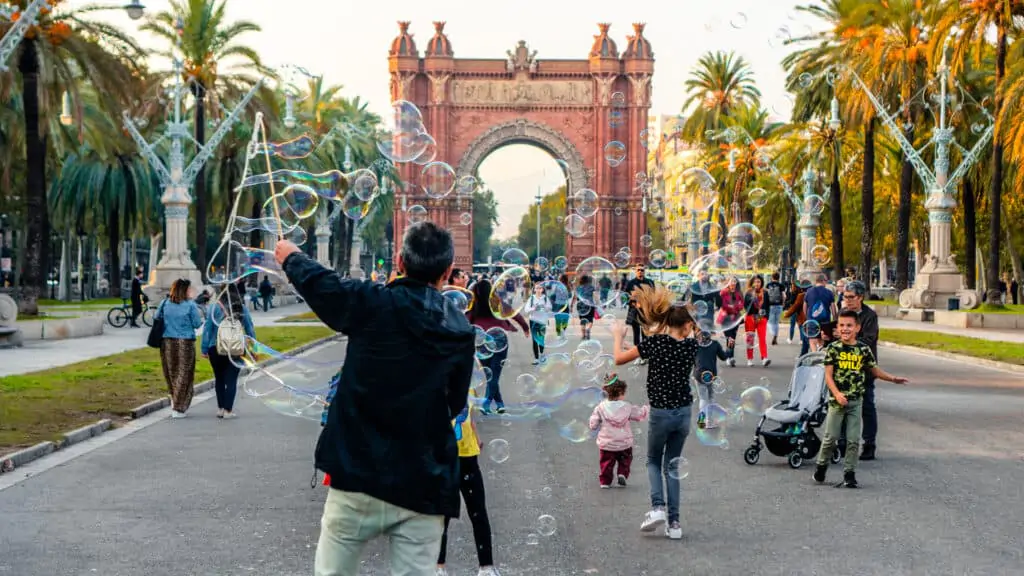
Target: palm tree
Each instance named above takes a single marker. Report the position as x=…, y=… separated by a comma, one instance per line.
x=57, y=53
x=974, y=19
x=206, y=41
x=721, y=82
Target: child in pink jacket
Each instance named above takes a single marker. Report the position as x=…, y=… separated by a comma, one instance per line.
x=615, y=438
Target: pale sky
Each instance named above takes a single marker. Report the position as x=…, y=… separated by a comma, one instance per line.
x=347, y=42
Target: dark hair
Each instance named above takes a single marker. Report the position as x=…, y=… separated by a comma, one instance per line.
x=585, y=280
x=481, y=301
x=232, y=296
x=456, y=272
x=857, y=287
x=427, y=252
x=754, y=278
x=847, y=313
x=179, y=290
x=775, y=276
x=614, y=387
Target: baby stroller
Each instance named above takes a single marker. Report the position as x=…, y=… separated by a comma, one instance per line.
x=796, y=417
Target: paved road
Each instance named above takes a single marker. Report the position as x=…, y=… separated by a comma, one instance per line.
x=203, y=496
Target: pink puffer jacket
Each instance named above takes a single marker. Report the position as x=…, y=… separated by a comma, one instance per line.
x=612, y=418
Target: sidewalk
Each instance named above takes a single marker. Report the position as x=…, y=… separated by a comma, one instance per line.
x=43, y=354
x=980, y=333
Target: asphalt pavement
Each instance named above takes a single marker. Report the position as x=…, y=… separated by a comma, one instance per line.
x=210, y=497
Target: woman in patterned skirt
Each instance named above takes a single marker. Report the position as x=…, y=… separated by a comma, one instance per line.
x=178, y=349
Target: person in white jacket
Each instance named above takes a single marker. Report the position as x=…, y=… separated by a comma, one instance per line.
x=538, y=311
x=615, y=437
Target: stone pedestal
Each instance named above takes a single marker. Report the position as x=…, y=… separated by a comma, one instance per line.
x=938, y=279
x=354, y=268
x=808, y=269
x=176, y=261
x=10, y=335
x=323, y=239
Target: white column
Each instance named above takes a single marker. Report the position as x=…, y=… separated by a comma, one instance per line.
x=354, y=270
x=323, y=239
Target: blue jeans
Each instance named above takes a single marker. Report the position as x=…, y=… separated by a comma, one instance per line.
x=665, y=438
x=493, y=389
x=774, y=314
x=792, y=326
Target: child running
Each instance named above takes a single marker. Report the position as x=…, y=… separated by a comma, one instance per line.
x=615, y=438
x=847, y=364
x=670, y=352
x=709, y=352
x=471, y=484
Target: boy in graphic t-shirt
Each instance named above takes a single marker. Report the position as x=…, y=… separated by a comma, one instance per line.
x=847, y=364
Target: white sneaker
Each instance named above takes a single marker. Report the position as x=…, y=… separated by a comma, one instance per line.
x=176, y=414
x=487, y=571
x=230, y=415
x=652, y=520
x=441, y=571
x=789, y=340
x=766, y=362
x=605, y=486
x=674, y=531
x=750, y=363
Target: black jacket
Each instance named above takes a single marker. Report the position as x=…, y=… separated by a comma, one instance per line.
x=406, y=375
x=869, y=329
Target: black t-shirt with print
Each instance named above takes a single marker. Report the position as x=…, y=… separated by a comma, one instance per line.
x=668, y=374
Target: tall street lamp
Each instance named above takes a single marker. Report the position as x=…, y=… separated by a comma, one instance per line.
x=177, y=178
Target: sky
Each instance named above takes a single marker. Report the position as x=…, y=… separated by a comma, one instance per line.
x=348, y=42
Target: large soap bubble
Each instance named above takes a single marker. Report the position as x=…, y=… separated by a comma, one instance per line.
x=599, y=271
x=510, y=292
x=695, y=190
x=585, y=202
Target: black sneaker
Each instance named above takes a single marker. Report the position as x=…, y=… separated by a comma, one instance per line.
x=819, y=473
x=622, y=480
x=868, y=452
x=849, y=481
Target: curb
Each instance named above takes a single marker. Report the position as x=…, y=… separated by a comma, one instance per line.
x=22, y=457
x=956, y=357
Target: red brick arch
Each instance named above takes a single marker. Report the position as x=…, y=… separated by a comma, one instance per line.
x=570, y=108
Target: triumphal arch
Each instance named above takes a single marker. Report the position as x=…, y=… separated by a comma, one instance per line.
x=571, y=108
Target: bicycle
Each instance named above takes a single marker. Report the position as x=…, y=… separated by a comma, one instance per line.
x=119, y=316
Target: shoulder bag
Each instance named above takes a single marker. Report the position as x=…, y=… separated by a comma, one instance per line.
x=156, y=333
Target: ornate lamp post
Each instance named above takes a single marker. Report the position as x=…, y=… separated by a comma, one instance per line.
x=939, y=278
x=177, y=178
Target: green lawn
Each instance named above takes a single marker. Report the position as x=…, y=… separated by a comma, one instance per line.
x=1009, y=352
x=304, y=317
x=43, y=405
x=97, y=303
x=999, y=309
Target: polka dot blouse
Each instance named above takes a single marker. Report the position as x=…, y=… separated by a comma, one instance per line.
x=670, y=363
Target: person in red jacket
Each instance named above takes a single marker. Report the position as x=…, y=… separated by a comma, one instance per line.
x=481, y=315
x=730, y=315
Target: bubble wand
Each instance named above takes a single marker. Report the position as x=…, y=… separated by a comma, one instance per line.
x=273, y=193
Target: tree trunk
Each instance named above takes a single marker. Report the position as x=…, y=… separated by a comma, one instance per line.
x=903, y=220
x=199, y=91
x=995, y=193
x=36, y=265
x=114, y=246
x=867, y=206
x=970, y=233
x=1015, y=263
x=836, y=213
x=65, y=265
x=793, y=256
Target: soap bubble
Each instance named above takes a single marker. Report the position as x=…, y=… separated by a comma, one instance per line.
x=515, y=257
x=546, y=525
x=811, y=329
x=597, y=269
x=417, y=214
x=461, y=297
x=466, y=185
x=437, y=179
x=510, y=292
x=465, y=219
x=614, y=153
x=585, y=202
x=542, y=264
x=575, y=226
x=757, y=198
x=646, y=241
x=678, y=468
x=713, y=432
x=695, y=190
x=429, y=150
x=498, y=450
x=658, y=258
x=755, y=400
x=820, y=255
x=748, y=234
x=496, y=339
x=621, y=259
x=813, y=205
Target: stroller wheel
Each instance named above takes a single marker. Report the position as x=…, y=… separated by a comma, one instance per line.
x=752, y=455
x=837, y=456
x=795, y=460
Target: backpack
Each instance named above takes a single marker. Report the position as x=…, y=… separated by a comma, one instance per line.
x=774, y=294
x=231, y=337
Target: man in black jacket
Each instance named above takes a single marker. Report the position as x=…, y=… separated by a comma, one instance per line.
x=853, y=299
x=137, y=297
x=388, y=445
x=632, y=315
